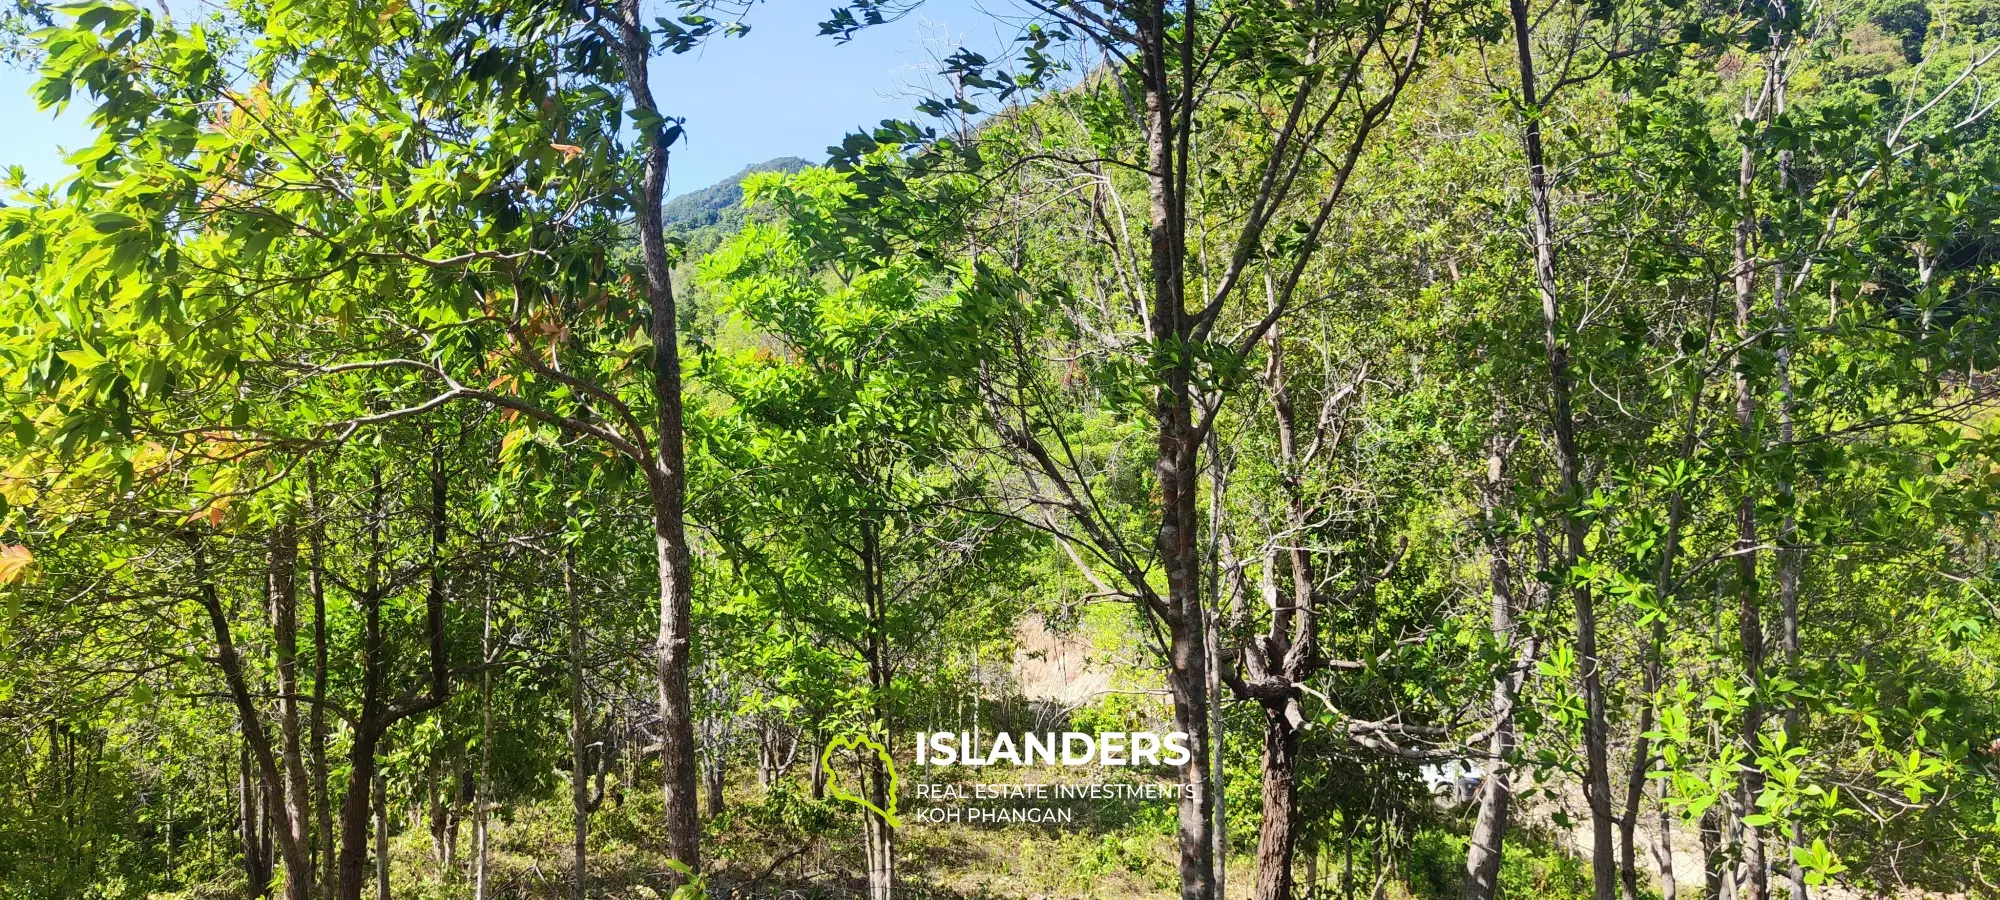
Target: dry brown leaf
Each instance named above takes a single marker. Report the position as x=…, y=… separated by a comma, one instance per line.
x=15, y=563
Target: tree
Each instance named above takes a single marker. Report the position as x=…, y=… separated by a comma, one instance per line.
x=431, y=200
x=855, y=418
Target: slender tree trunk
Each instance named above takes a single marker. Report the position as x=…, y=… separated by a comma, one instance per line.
x=434, y=815
x=1275, y=663
x=1789, y=563
x=1749, y=621
x=1218, y=482
x=1489, y=831
x=461, y=803
x=381, y=836
x=481, y=797
x=579, y=792
x=316, y=583
x=1217, y=776
x=280, y=589
x=1569, y=465
x=1175, y=468
x=668, y=476
x=250, y=818
x=715, y=734
x=364, y=783
x=1790, y=556
x=819, y=772
x=1714, y=863
x=714, y=777
x=766, y=753
x=1288, y=653
x=1347, y=865
x=268, y=817
x=1642, y=759
x=1663, y=847
x=880, y=835
x=271, y=779
x=677, y=722
x=454, y=813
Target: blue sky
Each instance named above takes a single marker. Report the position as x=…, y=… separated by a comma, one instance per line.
x=780, y=91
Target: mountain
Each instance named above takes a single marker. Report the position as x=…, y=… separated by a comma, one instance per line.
x=705, y=207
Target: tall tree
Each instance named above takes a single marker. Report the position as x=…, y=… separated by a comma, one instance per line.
x=1172, y=73
x=857, y=416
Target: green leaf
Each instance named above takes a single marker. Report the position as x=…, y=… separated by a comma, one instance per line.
x=111, y=222
x=83, y=359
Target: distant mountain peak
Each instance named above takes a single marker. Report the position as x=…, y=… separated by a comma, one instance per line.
x=705, y=207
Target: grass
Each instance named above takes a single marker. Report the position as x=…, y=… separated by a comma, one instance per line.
x=782, y=844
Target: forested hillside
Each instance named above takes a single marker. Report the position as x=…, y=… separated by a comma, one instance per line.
x=1528, y=449
x=719, y=201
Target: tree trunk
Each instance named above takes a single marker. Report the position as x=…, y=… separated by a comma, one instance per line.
x=1277, y=836
x=250, y=818
x=668, y=476
x=819, y=780
x=270, y=779
x=767, y=753
x=880, y=835
x=1217, y=776
x=455, y=807
x=482, y=795
x=1175, y=467
x=1790, y=555
x=1749, y=619
x=281, y=591
x=1489, y=832
x=316, y=583
x=579, y=792
x=1288, y=653
x=434, y=815
x=1347, y=865
x=1663, y=847
x=714, y=777
x=1713, y=863
x=381, y=836
x=267, y=818
x=1187, y=679
x=677, y=746
x=377, y=715
x=363, y=783
x=1569, y=465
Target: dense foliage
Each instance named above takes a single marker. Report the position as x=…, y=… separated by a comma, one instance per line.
x=1592, y=399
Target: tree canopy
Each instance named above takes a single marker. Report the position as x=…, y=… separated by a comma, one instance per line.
x=1521, y=448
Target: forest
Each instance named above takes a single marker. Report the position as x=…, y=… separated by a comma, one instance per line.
x=1531, y=449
